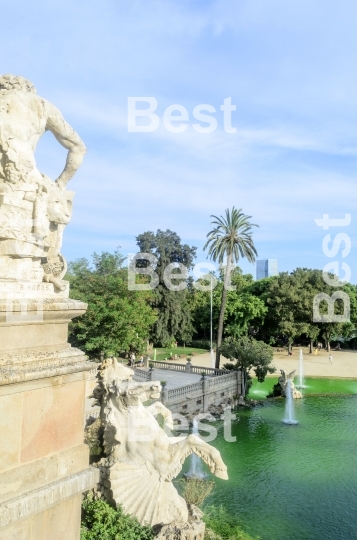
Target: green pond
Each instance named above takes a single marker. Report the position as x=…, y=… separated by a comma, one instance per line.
x=314, y=385
x=293, y=482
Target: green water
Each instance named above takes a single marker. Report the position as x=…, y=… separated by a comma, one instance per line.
x=293, y=482
x=314, y=385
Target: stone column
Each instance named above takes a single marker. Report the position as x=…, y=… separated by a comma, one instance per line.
x=205, y=394
x=239, y=382
x=188, y=367
x=44, y=466
x=164, y=396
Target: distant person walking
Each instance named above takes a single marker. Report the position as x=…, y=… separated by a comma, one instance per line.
x=141, y=361
x=330, y=359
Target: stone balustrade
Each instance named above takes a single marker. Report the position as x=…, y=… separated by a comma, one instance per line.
x=215, y=387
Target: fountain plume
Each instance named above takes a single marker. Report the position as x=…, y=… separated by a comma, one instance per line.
x=301, y=371
x=289, y=406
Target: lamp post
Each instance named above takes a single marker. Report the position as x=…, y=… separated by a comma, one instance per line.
x=211, y=327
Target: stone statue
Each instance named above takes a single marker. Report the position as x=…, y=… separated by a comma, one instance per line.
x=142, y=458
x=283, y=381
x=34, y=210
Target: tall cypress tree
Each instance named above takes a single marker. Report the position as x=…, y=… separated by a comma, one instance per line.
x=174, y=317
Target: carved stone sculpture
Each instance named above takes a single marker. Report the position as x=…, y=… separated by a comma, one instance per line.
x=44, y=467
x=142, y=458
x=283, y=381
x=34, y=210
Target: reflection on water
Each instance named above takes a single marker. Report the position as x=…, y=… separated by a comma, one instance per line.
x=294, y=484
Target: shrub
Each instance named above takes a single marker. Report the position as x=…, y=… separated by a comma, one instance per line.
x=102, y=522
x=222, y=525
x=195, y=490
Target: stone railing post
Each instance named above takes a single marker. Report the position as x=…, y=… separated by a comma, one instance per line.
x=164, y=396
x=146, y=361
x=151, y=374
x=188, y=367
x=205, y=394
x=239, y=382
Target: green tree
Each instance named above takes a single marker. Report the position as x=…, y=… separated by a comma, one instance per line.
x=116, y=318
x=174, y=321
x=246, y=354
x=289, y=300
x=242, y=307
x=231, y=237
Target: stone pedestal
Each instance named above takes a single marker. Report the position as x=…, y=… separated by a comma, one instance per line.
x=44, y=465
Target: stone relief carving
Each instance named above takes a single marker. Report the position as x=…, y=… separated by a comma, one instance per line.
x=142, y=459
x=41, y=364
x=34, y=210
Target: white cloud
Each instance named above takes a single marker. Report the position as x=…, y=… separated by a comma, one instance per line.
x=287, y=67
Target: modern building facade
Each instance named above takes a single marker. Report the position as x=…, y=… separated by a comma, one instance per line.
x=267, y=268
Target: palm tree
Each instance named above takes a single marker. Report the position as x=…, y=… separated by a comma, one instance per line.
x=231, y=238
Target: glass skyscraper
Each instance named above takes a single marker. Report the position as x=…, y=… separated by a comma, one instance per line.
x=267, y=268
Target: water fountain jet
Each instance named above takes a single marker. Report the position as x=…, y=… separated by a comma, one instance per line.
x=195, y=471
x=301, y=371
x=289, y=407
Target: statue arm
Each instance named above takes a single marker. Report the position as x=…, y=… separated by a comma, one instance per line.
x=69, y=139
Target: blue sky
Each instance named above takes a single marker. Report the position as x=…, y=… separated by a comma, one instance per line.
x=290, y=69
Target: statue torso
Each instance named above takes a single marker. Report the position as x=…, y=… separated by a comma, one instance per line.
x=22, y=116
x=22, y=122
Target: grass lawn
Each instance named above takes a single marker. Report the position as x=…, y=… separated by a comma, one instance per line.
x=161, y=354
x=314, y=385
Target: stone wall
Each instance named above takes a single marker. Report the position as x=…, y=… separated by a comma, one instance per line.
x=198, y=397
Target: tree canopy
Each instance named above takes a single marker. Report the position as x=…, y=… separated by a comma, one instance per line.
x=246, y=354
x=174, y=320
x=289, y=300
x=242, y=307
x=116, y=318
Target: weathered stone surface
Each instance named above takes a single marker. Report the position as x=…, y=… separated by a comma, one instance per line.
x=15, y=482
x=52, y=420
x=10, y=429
x=61, y=522
x=73, y=460
x=36, y=365
x=41, y=499
x=18, y=531
x=182, y=531
x=19, y=480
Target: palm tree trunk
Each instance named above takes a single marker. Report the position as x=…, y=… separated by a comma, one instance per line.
x=311, y=346
x=223, y=309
